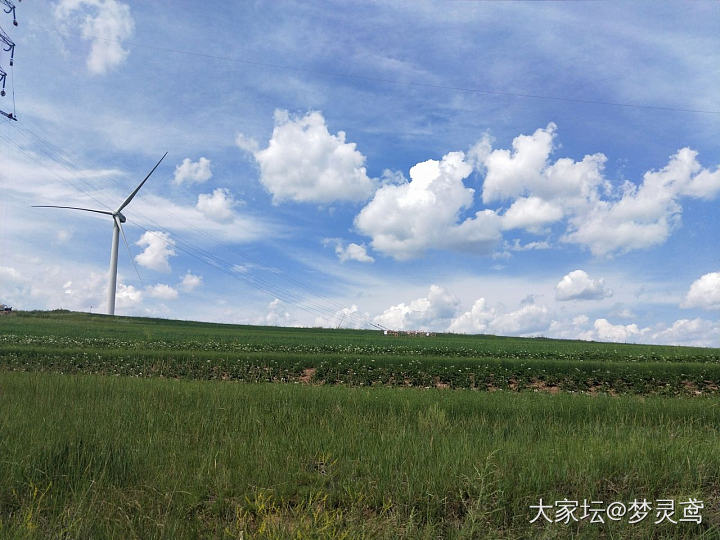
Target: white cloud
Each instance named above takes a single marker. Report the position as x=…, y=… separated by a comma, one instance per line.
x=217, y=206
x=162, y=291
x=158, y=249
x=353, y=252
x=248, y=144
x=576, y=328
x=277, y=314
x=526, y=171
x=696, y=332
x=190, y=282
x=510, y=173
x=404, y=220
x=618, y=333
x=106, y=23
x=347, y=317
x=531, y=213
x=527, y=319
x=634, y=217
x=478, y=153
x=9, y=274
x=517, y=246
x=71, y=285
x=577, y=285
x=704, y=292
x=193, y=172
x=645, y=215
x=475, y=321
x=430, y=312
x=127, y=296
x=304, y=162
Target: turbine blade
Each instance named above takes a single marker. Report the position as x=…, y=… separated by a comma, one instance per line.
x=72, y=208
x=130, y=198
x=127, y=246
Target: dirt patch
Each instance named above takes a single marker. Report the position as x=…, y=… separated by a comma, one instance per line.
x=542, y=386
x=441, y=385
x=307, y=375
x=692, y=388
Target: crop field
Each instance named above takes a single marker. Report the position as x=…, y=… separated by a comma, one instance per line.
x=80, y=343
x=137, y=428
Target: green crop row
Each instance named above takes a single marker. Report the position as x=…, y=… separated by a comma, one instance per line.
x=664, y=378
x=75, y=330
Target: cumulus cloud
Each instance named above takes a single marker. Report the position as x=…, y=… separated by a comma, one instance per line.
x=193, y=171
x=406, y=219
x=190, y=282
x=218, y=205
x=601, y=330
x=691, y=332
x=527, y=319
x=526, y=171
x=127, y=296
x=475, y=321
x=353, y=252
x=106, y=23
x=304, y=162
x=532, y=214
x=645, y=215
x=162, y=291
x=430, y=312
x=577, y=285
x=696, y=332
x=605, y=220
x=510, y=173
x=347, y=317
x=618, y=333
x=704, y=292
x=159, y=247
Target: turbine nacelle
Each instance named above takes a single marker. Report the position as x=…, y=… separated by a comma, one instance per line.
x=120, y=217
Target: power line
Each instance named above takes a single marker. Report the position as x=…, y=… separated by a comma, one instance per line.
x=228, y=267
x=55, y=154
x=464, y=89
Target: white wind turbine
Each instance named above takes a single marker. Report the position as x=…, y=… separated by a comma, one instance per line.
x=118, y=219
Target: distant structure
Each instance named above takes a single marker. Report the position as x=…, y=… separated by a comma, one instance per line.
x=5, y=309
x=118, y=220
x=413, y=333
x=7, y=45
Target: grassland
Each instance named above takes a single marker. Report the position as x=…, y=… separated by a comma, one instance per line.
x=166, y=454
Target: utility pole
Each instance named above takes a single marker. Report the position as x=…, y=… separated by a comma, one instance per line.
x=7, y=45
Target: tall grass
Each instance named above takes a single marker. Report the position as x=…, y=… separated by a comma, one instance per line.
x=91, y=457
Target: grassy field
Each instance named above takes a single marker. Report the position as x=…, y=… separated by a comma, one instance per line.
x=84, y=454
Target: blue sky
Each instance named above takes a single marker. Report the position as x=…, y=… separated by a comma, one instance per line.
x=522, y=168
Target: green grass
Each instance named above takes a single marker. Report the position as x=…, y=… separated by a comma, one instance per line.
x=89, y=456
x=135, y=428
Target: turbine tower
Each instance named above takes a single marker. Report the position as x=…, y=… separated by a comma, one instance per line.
x=118, y=220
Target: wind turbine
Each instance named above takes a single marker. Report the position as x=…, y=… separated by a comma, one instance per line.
x=118, y=220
